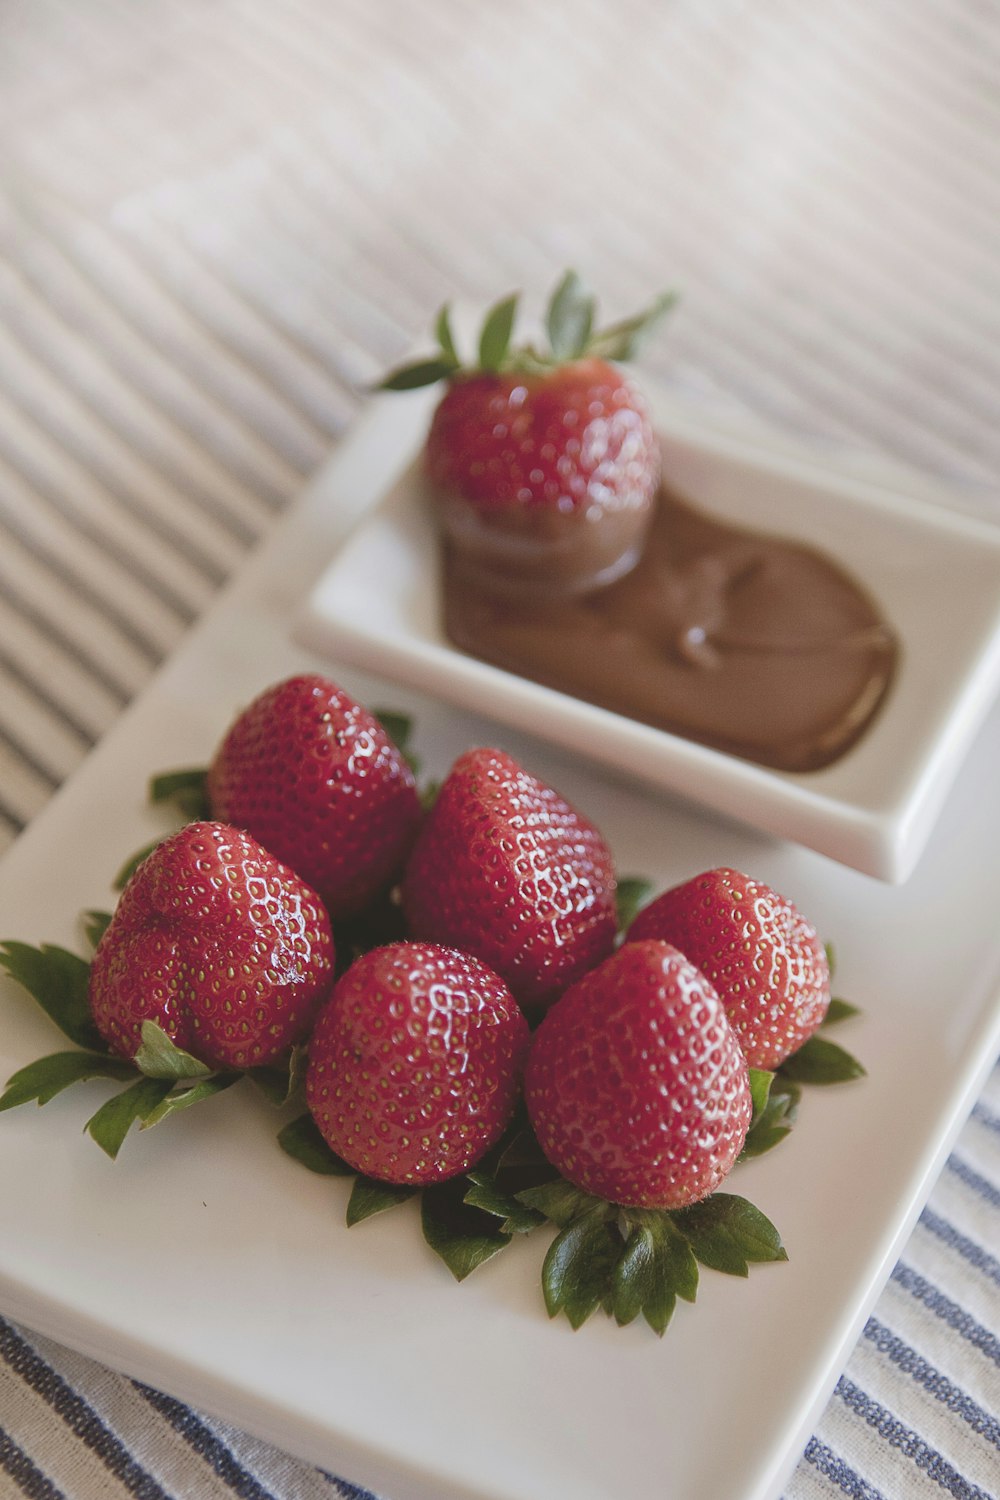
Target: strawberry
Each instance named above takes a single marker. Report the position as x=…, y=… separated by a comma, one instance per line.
x=544, y=466
x=313, y=775
x=763, y=956
x=636, y=1085
x=506, y=869
x=227, y=950
x=415, y=1063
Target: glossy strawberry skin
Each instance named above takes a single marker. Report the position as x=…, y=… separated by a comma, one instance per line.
x=764, y=958
x=636, y=1085
x=506, y=869
x=570, y=437
x=415, y=1063
x=220, y=944
x=313, y=776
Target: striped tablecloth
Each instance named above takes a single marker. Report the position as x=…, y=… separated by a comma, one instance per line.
x=221, y=219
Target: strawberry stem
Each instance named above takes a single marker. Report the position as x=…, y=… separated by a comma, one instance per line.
x=570, y=327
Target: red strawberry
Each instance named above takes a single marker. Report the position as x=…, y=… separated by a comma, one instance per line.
x=415, y=1063
x=217, y=942
x=544, y=467
x=314, y=777
x=636, y=1085
x=506, y=869
x=764, y=958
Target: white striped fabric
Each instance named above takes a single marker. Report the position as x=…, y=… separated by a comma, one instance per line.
x=218, y=222
x=220, y=219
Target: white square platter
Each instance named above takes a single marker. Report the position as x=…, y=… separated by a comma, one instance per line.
x=206, y=1263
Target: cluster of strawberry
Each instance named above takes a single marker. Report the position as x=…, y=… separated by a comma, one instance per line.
x=454, y=980
x=636, y=1077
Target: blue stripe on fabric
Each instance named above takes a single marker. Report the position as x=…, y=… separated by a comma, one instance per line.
x=839, y=1473
x=908, y=1443
x=24, y=1472
x=974, y=1180
x=911, y=1363
x=951, y=1313
x=348, y=1491
x=208, y=1446
x=77, y=1414
x=967, y=1248
x=986, y=1117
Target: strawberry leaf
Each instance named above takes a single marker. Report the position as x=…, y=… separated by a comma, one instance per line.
x=656, y=1267
x=186, y=790
x=726, y=1232
x=624, y=340
x=515, y=1164
x=57, y=980
x=570, y=318
x=302, y=1140
x=516, y=1218
x=839, y=1010
x=43, y=1079
x=369, y=1197
x=206, y=1088
x=561, y=1202
x=282, y=1082
x=494, y=341
x=128, y=869
x=422, y=372
x=578, y=1270
x=399, y=727
x=632, y=893
x=760, y=1089
x=428, y=795
x=821, y=1061
x=95, y=925
x=774, y=1116
x=112, y=1122
x=460, y=1233
x=445, y=337
x=519, y=1154
x=158, y=1057
x=831, y=957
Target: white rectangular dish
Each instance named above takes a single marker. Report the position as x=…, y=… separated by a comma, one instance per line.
x=206, y=1263
x=935, y=574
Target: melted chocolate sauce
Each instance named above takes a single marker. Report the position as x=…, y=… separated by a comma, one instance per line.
x=752, y=644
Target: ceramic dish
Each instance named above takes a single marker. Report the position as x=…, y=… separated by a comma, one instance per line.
x=206, y=1263
x=935, y=574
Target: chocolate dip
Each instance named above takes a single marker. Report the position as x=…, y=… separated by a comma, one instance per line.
x=749, y=643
